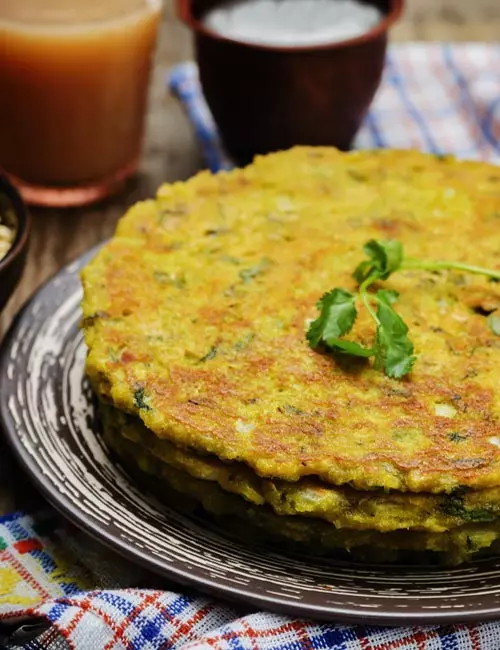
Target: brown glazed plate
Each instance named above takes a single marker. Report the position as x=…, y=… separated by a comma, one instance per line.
x=47, y=414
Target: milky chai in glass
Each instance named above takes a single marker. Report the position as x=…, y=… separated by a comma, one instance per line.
x=74, y=78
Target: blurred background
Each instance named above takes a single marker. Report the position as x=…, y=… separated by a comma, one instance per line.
x=453, y=20
x=422, y=20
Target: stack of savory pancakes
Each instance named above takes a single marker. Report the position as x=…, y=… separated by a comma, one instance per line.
x=195, y=316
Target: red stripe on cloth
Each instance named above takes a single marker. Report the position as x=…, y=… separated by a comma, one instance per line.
x=171, y=618
x=365, y=644
x=262, y=634
x=300, y=629
x=475, y=638
x=214, y=642
x=12, y=561
x=251, y=634
x=217, y=640
x=83, y=606
x=119, y=632
x=28, y=545
x=419, y=637
x=185, y=629
x=422, y=638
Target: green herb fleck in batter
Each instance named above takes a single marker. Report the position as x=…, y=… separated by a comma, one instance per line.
x=249, y=274
x=139, y=400
x=454, y=506
x=211, y=354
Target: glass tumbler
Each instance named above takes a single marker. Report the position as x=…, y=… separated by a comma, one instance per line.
x=74, y=77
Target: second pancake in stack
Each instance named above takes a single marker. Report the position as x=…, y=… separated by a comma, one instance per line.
x=195, y=319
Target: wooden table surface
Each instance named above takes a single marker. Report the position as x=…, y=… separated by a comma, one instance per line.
x=59, y=236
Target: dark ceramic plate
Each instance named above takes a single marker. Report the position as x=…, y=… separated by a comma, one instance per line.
x=47, y=413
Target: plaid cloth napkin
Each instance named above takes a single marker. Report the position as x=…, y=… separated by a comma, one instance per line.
x=65, y=579
x=438, y=98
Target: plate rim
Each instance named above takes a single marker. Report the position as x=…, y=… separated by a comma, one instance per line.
x=179, y=575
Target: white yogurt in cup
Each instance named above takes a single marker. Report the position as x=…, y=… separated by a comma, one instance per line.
x=292, y=22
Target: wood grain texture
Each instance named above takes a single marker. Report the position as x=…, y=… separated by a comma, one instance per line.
x=449, y=20
x=170, y=152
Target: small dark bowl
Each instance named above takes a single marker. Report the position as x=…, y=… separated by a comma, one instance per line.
x=269, y=98
x=12, y=265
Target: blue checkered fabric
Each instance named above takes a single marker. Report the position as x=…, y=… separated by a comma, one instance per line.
x=437, y=98
x=150, y=620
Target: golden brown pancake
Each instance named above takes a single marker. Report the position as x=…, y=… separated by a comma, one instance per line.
x=305, y=535
x=196, y=312
x=342, y=506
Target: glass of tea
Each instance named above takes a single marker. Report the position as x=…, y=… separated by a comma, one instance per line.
x=74, y=77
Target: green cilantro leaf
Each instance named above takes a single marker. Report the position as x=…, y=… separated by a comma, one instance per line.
x=387, y=296
x=337, y=315
x=385, y=257
x=393, y=348
x=351, y=347
x=363, y=271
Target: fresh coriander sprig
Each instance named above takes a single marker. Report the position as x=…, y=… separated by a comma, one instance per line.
x=424, y=265
x=392, y=349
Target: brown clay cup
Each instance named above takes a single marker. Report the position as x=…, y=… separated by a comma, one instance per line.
x=269, y=98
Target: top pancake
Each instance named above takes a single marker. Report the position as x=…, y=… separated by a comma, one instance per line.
x=195, y=316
